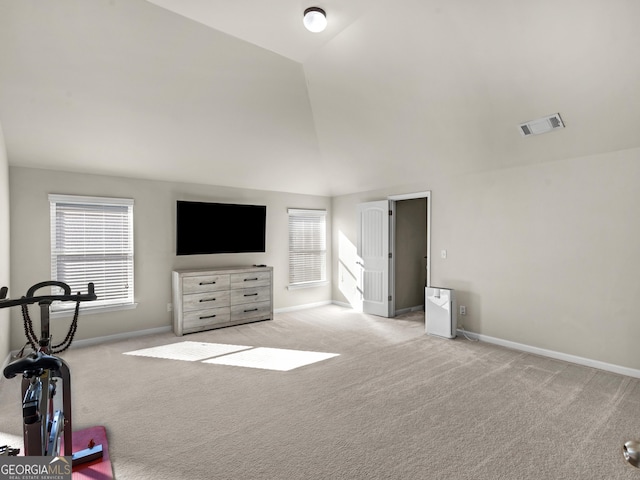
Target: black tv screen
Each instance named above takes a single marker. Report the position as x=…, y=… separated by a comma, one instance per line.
x=204, y=227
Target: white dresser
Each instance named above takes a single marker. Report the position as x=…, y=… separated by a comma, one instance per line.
x=220, y=297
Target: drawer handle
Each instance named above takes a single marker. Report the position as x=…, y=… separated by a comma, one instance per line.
x=250, y=294
x=250, y=279
x=251, y=310
x=208, y=283
x=207, y=300
x=208, y=316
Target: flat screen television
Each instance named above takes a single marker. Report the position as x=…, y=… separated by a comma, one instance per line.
x=205, y=227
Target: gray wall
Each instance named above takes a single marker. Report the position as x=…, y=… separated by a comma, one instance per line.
x=543, y=255
x=4, y=246
x=154, y=237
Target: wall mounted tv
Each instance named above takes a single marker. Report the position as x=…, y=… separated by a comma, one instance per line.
x=204, y=227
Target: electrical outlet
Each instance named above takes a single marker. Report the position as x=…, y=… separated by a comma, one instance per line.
x=463, y=310
x=169, y=307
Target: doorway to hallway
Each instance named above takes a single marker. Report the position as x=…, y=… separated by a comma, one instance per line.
x=394, y=243
x=410, y=254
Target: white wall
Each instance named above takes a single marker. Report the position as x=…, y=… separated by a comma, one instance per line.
x=134, y=90
x=4, y=246
x=154, y=237
x=544, y=255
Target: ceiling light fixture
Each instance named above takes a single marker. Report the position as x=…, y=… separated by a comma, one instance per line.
x=315, y=19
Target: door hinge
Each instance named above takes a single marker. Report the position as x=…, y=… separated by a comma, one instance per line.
x=390, y=297
x=390, y=212
x=390, y=255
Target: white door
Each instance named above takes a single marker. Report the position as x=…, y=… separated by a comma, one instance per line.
x=373, y=250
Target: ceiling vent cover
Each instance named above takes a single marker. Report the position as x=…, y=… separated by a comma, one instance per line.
x=541, y=125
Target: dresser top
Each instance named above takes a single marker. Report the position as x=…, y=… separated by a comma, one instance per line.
x=240, y=268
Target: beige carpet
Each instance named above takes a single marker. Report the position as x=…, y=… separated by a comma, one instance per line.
x=393, y=404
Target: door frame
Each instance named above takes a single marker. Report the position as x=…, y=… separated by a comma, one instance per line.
x=392, y=241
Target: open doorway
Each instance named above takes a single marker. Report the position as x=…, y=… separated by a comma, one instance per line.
x=393, y=253
x=410, y=239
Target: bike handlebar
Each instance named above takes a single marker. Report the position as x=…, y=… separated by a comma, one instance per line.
x=29, y=298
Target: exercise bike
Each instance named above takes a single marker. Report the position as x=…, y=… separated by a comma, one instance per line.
x=46, y=417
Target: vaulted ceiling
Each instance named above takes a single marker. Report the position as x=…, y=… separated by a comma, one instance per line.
x=238, y=93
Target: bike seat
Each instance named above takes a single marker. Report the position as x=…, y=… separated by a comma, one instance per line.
x=32, y=363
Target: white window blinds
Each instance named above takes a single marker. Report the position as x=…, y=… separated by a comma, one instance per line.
x=307, y=247
x=92, y=241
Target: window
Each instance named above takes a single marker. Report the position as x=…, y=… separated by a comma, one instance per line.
x=307, y=248
x=92, y=241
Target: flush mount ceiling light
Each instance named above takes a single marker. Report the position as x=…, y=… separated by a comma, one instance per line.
x=315, y=19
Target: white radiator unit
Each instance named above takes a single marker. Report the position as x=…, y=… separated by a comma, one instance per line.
x=541, y=125
x=440, y=312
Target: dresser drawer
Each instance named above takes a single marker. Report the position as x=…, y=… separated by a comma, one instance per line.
x=204, y=318
x=205, y=283
x=252, y=310
x=250, y=279
x=198, y=301
x=250, y=295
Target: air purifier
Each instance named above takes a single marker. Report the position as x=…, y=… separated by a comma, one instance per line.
x=440, y=312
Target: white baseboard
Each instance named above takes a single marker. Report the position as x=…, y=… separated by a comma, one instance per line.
x=342, y=304
x=587, y=362
x=97, y=340
x=301, y=307
x=398, y=312
x=151, y=331
x=417, y=308
x=120, y=336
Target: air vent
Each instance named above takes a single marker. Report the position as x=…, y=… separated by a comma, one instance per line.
x=541, y=125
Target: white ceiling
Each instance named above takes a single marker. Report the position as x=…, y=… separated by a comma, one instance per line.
x=237, y=93
x=275, y=25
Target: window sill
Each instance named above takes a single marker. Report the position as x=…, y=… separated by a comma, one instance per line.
x=297, y=286
x=91, y=310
